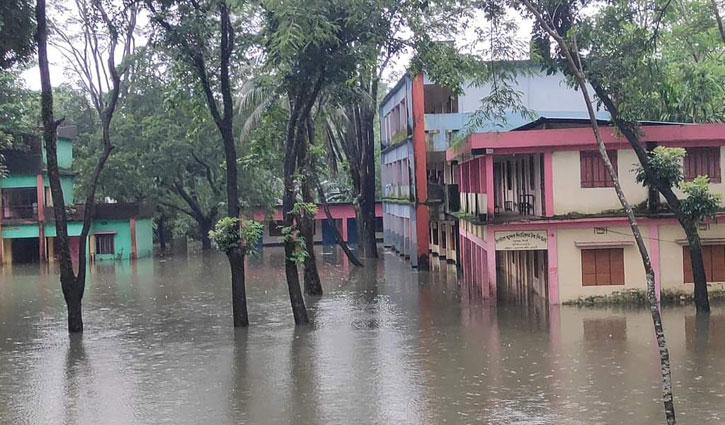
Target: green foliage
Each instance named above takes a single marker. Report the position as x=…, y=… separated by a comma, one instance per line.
x=701, y=202
x=304, y=209
x=292, y=233
x=232, y=233
x=17, y=28
x=666, y=163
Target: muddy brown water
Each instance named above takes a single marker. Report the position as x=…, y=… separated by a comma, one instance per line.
x=388, y=345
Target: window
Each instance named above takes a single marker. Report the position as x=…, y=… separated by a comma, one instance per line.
x=104, y=244
x=275, y=228
x=602, y=267
x=714, y=258
x=702, y=162
x=593, y=171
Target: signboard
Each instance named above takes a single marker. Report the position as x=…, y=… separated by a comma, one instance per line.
x=521, y=240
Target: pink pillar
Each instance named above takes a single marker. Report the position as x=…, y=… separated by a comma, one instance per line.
x=654, y=254
x=488, y=161
x=1, y=231
x=548, y=184
x=491, y=257
x=132, y=228
x=553, y=260
x=344, y=229
x=421, y=174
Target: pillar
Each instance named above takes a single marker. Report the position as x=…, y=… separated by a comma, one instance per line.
x=1, y=231
x=548, y=184
x=344, y=229
x=490, y=197
x=421, y=175
x=132, y=227
x=491, y=260
x=41, y=215
x=553, y=265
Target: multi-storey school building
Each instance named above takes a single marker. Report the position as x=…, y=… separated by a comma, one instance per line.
x=27, y=224
x=418, y=121
x=539, y=212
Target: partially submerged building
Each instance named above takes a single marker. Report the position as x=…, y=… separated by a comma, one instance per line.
x=343, y=218
x=540, y=213
x=27, y=224
x=418, y=121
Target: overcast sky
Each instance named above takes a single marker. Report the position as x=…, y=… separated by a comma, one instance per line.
x=59, y=73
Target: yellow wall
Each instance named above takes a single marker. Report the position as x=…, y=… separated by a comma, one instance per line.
x=570, y=197
x=671, y=261
x=570, y=268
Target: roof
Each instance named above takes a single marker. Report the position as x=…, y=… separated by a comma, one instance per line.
x=572, y=122
x=577, y=136
x=68, y=132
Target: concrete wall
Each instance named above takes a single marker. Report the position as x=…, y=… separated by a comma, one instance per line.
x=65, y=153
x=144, y=237
x=671, y=240
x=570, y=267
x=570, y=197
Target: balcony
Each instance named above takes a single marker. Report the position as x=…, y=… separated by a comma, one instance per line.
x=20, y=212
x=396, y=191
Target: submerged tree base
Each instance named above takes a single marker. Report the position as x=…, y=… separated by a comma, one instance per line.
x=639, y=297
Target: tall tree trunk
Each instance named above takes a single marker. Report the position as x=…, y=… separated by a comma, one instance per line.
x=205, y=226
x=689, y=226
x=239, y=293
x=292, y=138
x=366, y=199
x=161, y=231
x=72, y=291
x=312, y=282
x=581, y=80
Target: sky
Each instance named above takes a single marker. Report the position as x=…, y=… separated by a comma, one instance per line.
x=60, y=75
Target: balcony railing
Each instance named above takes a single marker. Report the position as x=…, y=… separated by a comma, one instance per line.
x=396, y=191
x=20, y=212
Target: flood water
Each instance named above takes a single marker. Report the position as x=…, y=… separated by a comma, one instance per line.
x=387, y=345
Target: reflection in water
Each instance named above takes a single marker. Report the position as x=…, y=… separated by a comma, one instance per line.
x=387, y=345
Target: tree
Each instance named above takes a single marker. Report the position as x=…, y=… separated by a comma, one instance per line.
x=17, y=113
x=17, y=28
x=646, y=61
x=565, y=38
x=187, y=26
x=102, y=28
x=311, y=47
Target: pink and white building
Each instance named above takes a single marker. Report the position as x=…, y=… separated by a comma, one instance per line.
x=539, y=213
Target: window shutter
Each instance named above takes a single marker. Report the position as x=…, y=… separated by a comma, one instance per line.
x=616, y=265
x=687, y=265
x=589, y=270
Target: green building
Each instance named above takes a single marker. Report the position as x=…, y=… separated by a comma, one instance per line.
x=120, y=231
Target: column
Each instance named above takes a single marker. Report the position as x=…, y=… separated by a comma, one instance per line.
x=41, y=215
x=490, y=196
x=344, y=228
x=421, y=175
x=491, y=257
x=132, y=228
x=548, y=184
x=553, y=265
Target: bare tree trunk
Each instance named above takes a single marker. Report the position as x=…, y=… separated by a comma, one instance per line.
x=366, y=198
x=293, y=137
x=205, y=226
x=702, y=303
x=575, y=68
x=72, y=293
x=239, y=293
